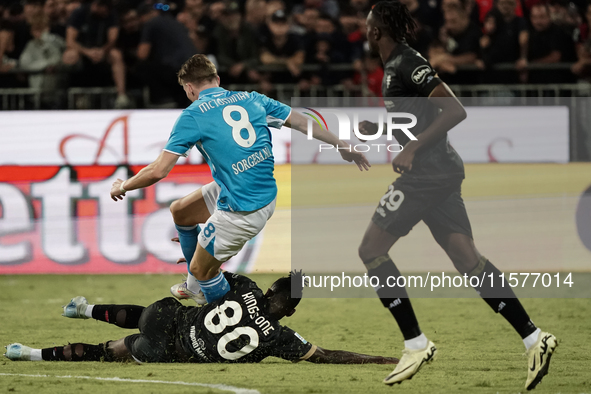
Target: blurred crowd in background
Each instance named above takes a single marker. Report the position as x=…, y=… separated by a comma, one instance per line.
x=130, y=44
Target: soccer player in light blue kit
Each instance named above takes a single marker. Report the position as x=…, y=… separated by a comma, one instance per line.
x=231, y=130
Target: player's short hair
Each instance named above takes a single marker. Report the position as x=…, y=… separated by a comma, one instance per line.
x=197, y=69
x=395, y=19
x=289, y=289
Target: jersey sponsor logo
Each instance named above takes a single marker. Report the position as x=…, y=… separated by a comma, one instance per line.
x=198, y=344
x=251, y=161
x=420, y=73
x=253, y=310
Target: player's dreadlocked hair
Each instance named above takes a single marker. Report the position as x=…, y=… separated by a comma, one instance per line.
x=290, y=288
x=395, y=19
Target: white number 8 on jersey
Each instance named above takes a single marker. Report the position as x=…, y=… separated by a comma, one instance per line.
x=238, y=125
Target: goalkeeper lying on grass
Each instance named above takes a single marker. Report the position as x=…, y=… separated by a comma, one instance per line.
x=241, y=327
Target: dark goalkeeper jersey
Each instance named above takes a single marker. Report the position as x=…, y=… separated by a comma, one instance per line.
x=238, y=329
x=408, y=80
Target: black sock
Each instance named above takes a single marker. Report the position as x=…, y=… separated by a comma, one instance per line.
x=501, y=298
x=124, y=316
x=394, y=298
x=53, y=354
x=77, y=352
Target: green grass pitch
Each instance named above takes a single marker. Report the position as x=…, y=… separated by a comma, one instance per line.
x=478, y=351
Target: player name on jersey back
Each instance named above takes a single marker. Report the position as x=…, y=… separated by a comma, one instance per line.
x=253, y=310
x=218, y=102
x=251, y=161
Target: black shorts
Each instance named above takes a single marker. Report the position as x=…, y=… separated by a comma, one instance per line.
x=438, y=203
x=156, y=342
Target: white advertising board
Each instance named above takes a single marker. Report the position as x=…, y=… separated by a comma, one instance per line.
x=489, y=134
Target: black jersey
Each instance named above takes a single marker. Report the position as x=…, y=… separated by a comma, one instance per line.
x=408, y=80
x=238, y=329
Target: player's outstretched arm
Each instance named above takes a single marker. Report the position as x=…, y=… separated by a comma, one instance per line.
x=147, y=176
x=298, y=122
x=325, y=356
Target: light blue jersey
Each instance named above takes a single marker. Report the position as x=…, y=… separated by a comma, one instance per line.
x=231, y=130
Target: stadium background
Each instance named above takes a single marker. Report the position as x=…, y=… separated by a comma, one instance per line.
x=533, y=111
x=57, y=215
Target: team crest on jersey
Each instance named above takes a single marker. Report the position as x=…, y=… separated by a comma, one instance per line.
x=420, y=73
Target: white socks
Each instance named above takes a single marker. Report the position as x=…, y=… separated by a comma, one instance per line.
x=420, y=342
x=417, y=343
x=88, y=311
x=531, y=339
x=193, y=284
x=36, y=355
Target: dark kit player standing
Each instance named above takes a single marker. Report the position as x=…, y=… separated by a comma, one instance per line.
x=429, y=190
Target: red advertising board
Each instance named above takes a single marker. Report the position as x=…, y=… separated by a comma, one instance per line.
x=61, y=220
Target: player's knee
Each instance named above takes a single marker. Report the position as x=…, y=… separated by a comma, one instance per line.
x=117, y=351
x=68, y=352
x=464, y=266
x=73, y=352
x=464, y=262
x=366, y=253
x=175, y=210
x=174, y=207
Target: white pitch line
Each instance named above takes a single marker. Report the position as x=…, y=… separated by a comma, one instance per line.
x=224, y=387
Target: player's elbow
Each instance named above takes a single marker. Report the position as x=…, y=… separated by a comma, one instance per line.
x=459, y=113
x=158, y=174
x=462, y=114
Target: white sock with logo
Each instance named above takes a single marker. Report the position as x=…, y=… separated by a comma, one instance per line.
x=416, y=343
x=531, y=339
